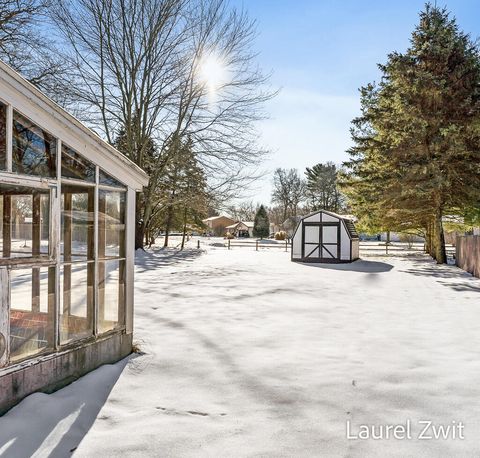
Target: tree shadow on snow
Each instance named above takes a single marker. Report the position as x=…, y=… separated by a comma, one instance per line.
x=54, y=424
x=150, y=260
x=447, y=275
x=360, y=265
x=279, y=395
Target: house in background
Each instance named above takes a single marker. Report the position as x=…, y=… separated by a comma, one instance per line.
x=241, y=229
x=67, y=245
x=216, y=225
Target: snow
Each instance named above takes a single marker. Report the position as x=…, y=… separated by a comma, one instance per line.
x=245, y=353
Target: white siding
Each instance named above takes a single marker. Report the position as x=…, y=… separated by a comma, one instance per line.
x=329, y=219
x=297, y=244
x=344, y=243
x=313, y=218
x=130, y=261
x=355, y=249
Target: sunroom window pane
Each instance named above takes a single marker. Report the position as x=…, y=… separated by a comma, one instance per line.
x=111, y=224
x=31, y=311
x=108, y=180
x=25, y=221
x=111, y=295
x=76, y=309
x=3, y=136
x=33, y=149
x=76, y=166
x=77, y=223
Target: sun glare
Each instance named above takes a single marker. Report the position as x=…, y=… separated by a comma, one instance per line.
x=212, y=72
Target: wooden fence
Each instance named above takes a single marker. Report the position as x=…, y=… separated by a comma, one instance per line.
x=468, y=253
x=367, y=249
x=398, y=249
x=258, y=244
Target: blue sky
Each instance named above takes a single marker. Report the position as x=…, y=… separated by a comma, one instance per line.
x=320, y=53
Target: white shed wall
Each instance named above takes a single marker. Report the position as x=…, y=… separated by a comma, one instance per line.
x=312, y=219
x=297, y=244
x=355, y=249
x=344, y=243
x=329, y=219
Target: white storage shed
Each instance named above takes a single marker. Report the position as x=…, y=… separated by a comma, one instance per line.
x=324, y=236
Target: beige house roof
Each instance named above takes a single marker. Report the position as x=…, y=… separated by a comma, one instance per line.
x=247, y=224
x=213, y=218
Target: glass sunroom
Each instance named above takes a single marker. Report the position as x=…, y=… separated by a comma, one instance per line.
x=67, y=206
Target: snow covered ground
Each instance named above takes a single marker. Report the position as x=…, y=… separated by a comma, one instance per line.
x=248, y=354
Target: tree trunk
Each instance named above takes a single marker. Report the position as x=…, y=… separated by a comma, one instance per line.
x=184, y=228
x=147, y=236
x=439, y=239
x=428, y=240
x=168, y=225
x=139, y=235
x=140, y=222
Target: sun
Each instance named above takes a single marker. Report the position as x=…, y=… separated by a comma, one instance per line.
x=213, y=72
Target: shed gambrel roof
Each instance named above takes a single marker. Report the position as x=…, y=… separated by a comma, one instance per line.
x=350, y=228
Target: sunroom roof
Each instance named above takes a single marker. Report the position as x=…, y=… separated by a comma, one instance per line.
x=53, y=118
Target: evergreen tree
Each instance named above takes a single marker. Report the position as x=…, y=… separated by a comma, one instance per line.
x=417, y=143
x=181, y=194
x=261, y=225
x=149, y=157
x=321, y=187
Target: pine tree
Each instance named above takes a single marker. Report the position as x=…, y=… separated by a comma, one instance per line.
x=261, y=225
x=321, y=187
x=417, y=143
x=181, y=194
x=146, y=159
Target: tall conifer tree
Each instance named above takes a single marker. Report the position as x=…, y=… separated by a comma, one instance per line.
x=261, y=225
x=417, y=143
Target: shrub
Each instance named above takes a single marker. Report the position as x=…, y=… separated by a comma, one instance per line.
x=407, y=238
x=281, y=235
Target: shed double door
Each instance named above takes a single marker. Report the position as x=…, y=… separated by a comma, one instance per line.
x=321, y=242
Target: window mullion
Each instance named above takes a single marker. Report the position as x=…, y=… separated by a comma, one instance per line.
x=55, y=234
x=95, y=241
x=9, y=139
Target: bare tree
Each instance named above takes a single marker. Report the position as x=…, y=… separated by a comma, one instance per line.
x=16, y=20
x=244, y=211
x=26, y=48
x=165, y=71
x=276, y=216
x=288, y=191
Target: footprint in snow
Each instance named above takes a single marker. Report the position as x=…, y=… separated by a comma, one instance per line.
x=187, y=412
